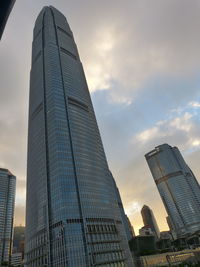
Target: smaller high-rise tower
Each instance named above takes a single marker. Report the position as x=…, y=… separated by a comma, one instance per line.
x=7, y=203
x=177, y=186
x=149, y=220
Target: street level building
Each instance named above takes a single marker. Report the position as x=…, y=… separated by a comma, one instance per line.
x=7, y=203
x=146, y=231
x=18, y=239
x=178, y=188
x=149, y=220
x=5, y=9
x=72, y=214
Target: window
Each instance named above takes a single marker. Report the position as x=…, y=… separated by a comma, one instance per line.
x=67, y=52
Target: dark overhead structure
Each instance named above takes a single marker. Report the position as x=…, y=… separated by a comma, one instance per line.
x=5, y=9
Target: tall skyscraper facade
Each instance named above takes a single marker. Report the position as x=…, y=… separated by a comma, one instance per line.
x=127, y=224
x=177, y=186
x=7, y=203
x=149, y=220
x=72, y=213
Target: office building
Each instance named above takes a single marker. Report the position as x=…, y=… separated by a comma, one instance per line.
x=125, y=220
x=19, y=239
x=146, y=231
x=130, y=227
x=72, y=213
x=150, y=221
x=171, y=227
x=7, y=203
x=186, y=257
x=142, y=245
x=16, y=259
x=178, y=188
x=5, y=9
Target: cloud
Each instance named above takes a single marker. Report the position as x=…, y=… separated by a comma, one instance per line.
x=175, y=130
x=132, y=208
x=194, y=104
x=148, y=134
x=143, y=40
x=19, y=215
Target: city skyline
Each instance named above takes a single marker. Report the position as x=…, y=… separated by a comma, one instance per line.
x=166, y=63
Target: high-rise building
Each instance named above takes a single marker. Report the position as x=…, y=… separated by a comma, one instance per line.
x=7, y=203
x=150, y=221
x=5, y=9
x=18, y=239
x=16, y=259
x=127, y=224
x=72, y=213
x=130, y=227
x=171, y=227
x=177, y=186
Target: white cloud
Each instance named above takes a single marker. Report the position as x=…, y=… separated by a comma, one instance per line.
x=132, y=208
x=194, y=104
x=196, y=143
x=141, y=42
x=182, y=123
x=146, y=135
x=172, y=130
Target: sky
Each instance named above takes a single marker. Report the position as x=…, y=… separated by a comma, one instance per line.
x=142, y=63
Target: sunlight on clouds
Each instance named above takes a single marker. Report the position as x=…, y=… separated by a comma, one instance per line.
x=132, y=208
x=20, y=190
x=119, y=99
x=98, y=79
x=99, y=65
x=168, y=128
x=20, y=196
x=194, y=104
x=196, y=143
x=106, y=40
x=148, y=134
x=182, y=123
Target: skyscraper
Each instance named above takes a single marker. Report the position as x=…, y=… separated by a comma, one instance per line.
x=171, y=227
x=127, y=224
x=72, y=213
x=177, y=186
x=149, y=220
x=5, y=9
x=7, y=203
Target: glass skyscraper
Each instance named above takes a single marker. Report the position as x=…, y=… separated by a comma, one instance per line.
x=178, y=188
x=149, y=220
x=72, y=213
x=7, y=203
